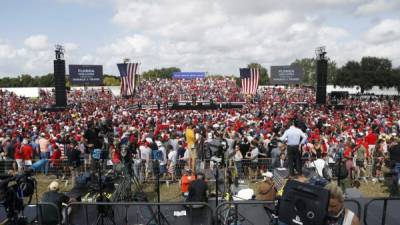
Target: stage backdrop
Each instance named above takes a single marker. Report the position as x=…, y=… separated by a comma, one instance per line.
x=88, y=75
x=286, y=74
x=188, y=75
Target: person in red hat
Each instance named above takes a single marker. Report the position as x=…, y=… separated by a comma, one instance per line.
x=27, y=152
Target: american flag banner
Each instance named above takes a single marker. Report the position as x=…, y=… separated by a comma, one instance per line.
x=249, y=78
x=128, y=74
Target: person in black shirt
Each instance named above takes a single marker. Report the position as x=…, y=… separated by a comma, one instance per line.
x=198, y=190
x=394, y=156
x=74, y=161
x=53, y=196
x=92, y=139
x=244, y=146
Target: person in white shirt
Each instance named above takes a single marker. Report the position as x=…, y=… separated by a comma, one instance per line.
x=319, y=164
x=253, y=157
x=172, y=157
x=294, y=137
x=145, y=153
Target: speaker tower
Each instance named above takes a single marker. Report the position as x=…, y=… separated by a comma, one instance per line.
x=59, y=78
x=322, y=74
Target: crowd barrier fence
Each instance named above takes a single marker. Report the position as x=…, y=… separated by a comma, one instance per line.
x=229, y=212
x=182, y=212
x=384, y=209
x=42, y=213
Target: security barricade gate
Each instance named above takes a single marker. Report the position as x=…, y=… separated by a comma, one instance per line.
x=41, y=213
x=354, y=206
x=389, y=207
x=244, y=212
x=139, y=213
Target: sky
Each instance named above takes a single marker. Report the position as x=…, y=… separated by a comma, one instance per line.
x=215, y=36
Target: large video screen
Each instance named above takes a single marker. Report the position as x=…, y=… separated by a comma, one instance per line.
x=88, y=75
x=286, y=74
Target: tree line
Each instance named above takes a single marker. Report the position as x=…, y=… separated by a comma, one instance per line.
x=369, y=72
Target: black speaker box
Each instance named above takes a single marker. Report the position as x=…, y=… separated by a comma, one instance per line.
x=303, y=204
x=59, y=80
x=322, y=74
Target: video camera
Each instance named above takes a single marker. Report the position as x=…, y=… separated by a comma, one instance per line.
x=303, y=204
x=13, y=190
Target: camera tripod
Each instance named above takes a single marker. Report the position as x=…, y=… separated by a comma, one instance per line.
x=105, y=212
x=230, y=214
x=158, y=217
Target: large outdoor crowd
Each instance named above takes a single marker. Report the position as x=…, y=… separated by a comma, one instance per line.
x=364, y=132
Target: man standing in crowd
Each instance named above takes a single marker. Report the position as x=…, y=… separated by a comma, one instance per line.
x=198, y=189
x=294, y=137
x=394, y=155
x=44, y=151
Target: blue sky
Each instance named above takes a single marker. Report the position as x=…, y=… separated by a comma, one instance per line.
x=217, y=36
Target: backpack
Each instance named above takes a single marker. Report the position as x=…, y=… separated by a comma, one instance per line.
x=158, y=155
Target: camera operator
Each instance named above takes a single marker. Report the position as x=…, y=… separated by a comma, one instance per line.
x=198, y=190
x=91, y=139
x=337, y=213
x=55, y=197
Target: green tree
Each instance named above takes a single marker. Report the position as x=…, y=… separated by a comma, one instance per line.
x=332, y=71
x=264, y=79
x=109, y=80
x=160, y=73
x=348, y=74
x=309, y=69
x=395, y=79
x=377, y=71
x=27, y=81
x=371, y=71
x=46, y=80
x=5, y=82
x=309, y=66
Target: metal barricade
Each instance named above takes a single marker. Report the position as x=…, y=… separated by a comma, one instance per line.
x=245, y=212
x=383, y=221
x=140, y=213
x=358, y=211
x=41, y=213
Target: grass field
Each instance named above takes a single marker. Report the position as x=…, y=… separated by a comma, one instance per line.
x=171, y=191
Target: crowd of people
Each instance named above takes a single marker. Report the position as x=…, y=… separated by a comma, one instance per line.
x=364, y=133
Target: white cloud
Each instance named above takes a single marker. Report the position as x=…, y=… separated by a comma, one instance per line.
x=221, y=36
x=378, y=6
x=69, y=46
x=37, y=42
x=218, y=36
x=385, y=31
x=35, y=57
x=6, y=50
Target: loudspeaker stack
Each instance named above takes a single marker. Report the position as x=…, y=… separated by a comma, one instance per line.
x=322, y=73
x=59, y=78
